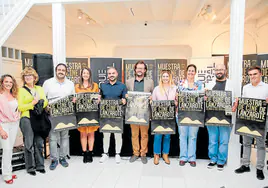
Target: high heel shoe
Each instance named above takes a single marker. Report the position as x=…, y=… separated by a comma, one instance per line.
x=9, y=181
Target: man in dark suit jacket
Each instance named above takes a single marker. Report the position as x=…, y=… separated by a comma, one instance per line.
x=142, y=84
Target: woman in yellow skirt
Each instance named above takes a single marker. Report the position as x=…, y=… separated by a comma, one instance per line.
x=87, y=133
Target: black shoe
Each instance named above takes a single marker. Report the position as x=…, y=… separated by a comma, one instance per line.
x=211, y=165
x=89, y=157
x=260, y=174
x=242, y=169
x=33, y=173
x=85, y=153
x=43, y=171
x=220, y=167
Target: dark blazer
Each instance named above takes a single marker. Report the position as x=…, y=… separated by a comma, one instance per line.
x=148, y=85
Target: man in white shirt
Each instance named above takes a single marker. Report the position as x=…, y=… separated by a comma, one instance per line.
x=55, y=88
x=258, y=90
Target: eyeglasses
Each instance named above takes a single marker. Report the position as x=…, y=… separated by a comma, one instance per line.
x=28, y=75
x=253, y=74
x=219, y=70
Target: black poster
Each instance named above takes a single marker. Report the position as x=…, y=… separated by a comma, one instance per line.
x=248, y=61
x=87, y=109
x=263, y=63
x=218, y=108
x=191, y=109
x=137, y=110
x=74, y=66
x=27, y=60
x=251, y=117
x=129, y=69
x=163, y=117
x=99, y=68
x=63, y=114
x=177, y=67
x=111, y=116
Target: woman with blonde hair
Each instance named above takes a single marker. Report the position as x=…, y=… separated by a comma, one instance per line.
x=165, y=91
x=29, y=96
x=87, y=133
x=9, y=123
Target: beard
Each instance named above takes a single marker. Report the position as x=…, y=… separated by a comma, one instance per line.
x=220, y=76
x=112, y=78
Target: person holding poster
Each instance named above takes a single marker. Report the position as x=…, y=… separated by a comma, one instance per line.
x=112, y=89
x=28, y=97
x=219, y=135
x=55, y=88
x=165, y=91
x=142, y=85
x=188, y=134
x=87, y=133
x=9, y=123
x=258, y=90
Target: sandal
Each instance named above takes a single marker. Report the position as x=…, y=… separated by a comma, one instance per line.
x=14, y=176
x=9, y=181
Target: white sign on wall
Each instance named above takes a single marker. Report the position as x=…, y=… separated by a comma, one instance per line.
x=206, y=67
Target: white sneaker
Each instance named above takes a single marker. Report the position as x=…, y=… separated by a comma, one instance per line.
x=117, y=158
x=104, y=158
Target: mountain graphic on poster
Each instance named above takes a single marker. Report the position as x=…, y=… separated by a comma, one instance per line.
x=217, y=121
x=245, y=129
x=135, y=119
x=87, y=121
x=108, y=127
x=63, y=126
x=159, y=128
x=189, y=121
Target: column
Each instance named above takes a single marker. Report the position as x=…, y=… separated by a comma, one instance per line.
x=235, y=64
x=59, y=36
x=1, y=62
x=236, y=43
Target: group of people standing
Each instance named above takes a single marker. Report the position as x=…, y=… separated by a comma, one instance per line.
x=16, y=104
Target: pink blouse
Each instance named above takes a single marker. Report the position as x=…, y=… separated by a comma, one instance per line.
x=168, y=94
x=7, y=114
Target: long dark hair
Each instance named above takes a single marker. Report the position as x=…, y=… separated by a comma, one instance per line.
x=90, y=81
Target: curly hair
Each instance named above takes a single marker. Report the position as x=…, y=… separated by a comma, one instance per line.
x=14, y=89
x=29, y=71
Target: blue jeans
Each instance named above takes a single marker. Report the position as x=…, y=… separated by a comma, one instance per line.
x=188, y=135
x=158, y=143
x=218, y=143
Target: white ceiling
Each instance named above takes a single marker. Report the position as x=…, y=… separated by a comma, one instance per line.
x=154, y=11
x=167, y=20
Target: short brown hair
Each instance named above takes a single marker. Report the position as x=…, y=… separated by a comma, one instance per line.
x=140, y=63
x=27, y=71
x=255, y=68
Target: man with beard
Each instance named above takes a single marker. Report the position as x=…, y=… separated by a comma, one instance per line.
x=141, y=84
x=258, y=90
x=55, y=88
x=219, y=135
x=112, y=89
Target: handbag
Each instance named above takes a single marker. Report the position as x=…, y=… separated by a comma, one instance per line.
x=40, y=122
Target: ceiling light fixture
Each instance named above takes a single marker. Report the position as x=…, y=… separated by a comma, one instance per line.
x=207, y=13
x=81, y=15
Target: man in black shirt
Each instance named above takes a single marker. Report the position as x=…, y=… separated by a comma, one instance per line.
x=219, y=135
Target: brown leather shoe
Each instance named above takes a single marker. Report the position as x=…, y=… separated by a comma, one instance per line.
x=166, y=159
x=156, y=159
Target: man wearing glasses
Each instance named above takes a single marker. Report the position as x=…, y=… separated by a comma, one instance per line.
x=219, y=135
x=139, y=83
